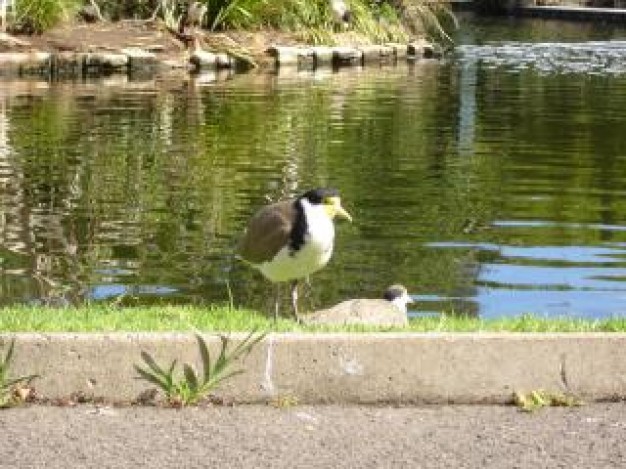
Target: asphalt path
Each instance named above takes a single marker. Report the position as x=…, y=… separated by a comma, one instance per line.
x=254, y=436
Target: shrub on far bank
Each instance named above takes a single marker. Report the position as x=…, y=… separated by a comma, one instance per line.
x=311, y=20
x=36, y=16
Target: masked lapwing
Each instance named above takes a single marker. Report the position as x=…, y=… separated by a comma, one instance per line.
x=388, y=311
x=289, y=240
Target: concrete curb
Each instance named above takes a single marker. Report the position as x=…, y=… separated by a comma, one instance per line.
x=340, y=368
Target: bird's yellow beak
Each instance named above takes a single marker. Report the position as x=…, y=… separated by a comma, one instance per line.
x=408, y=299
x=334, y=208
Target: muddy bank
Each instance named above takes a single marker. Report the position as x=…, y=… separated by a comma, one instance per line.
x=143, y=47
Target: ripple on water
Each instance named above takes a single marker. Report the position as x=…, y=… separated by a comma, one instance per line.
x=592, y=57
x=583, y=281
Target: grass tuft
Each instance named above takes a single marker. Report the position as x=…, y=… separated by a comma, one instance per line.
x=10, y=388
x=539, y=399
x=36, y=16
x=194, y=386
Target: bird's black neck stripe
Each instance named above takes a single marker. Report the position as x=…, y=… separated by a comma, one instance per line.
x=296, y=237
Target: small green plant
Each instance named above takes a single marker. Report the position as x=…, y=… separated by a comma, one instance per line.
x=171, y=16
x=9, y=395
x=285, y=401
x=536, y=400
x=221, y=12
x=192, y=387
x=420, y=16
x=36, y=16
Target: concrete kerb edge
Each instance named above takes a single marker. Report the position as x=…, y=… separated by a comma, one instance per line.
x=339, y=368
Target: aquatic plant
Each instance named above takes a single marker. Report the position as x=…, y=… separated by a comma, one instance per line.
x=192, y=386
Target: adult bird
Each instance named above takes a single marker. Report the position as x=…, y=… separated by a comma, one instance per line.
x=289, y=240
x=388, y=311
x=341, y=13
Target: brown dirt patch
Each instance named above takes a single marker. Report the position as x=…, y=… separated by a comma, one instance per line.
x=153, y=36
x=149, y=35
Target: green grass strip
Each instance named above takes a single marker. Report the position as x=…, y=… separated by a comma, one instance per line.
x=213, y=318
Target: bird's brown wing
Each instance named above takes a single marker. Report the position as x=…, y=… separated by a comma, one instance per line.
x=268, y=232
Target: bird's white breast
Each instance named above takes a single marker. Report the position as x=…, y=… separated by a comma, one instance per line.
x=312, y=255
x=338, y=7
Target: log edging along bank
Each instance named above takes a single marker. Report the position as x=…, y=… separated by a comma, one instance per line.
x=145, y=60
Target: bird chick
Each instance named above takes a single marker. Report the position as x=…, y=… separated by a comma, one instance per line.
x=389, y=311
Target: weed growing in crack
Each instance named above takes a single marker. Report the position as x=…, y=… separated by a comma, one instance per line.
x=12, y=390
x=536, y=400
x=192, y=387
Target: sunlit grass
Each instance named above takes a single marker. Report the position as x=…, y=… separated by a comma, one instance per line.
x=524, y=323
x=103, y=318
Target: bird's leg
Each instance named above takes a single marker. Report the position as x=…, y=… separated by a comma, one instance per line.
x=294, y=299
x=307, y=284
x=277, y=302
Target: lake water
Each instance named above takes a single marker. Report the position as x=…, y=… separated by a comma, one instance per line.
x=492, y=183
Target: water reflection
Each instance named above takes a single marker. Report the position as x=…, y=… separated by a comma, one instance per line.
x=485, y=190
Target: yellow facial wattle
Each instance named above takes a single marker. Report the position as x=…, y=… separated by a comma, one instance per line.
x=334, y=208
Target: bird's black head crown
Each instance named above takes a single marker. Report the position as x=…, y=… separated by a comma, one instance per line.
x=317, y=196
x=393, y=292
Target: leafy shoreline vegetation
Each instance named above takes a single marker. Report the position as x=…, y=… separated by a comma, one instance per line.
x=310, y=21
x=101, y=318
